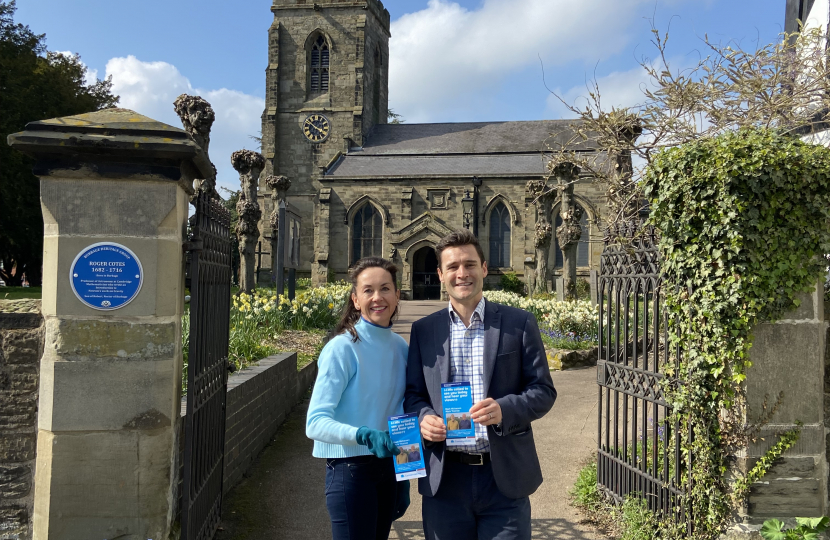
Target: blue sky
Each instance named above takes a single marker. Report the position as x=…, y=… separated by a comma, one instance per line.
x=464, y=60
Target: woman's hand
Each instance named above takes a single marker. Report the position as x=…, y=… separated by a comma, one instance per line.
x=378, y=442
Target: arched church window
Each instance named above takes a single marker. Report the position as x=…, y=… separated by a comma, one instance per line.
x=581, y=249
x=500, y=236
x=367, y=233
x=319, y=67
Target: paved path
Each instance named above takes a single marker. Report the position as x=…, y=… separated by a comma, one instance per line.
x=282, y=497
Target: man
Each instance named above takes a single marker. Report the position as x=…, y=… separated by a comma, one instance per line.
x=479, y=491
x=464, y=423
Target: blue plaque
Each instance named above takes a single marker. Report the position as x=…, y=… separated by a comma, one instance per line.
x=106, y=276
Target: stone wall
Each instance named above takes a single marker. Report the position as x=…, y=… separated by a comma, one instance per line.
x=21, y=345
x=259, y=399
x=789, y=356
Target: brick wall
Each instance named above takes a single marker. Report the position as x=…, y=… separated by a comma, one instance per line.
x=259, y=399
x=21, y=345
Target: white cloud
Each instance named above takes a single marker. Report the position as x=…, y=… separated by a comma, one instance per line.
x=442, y=53
x=149, y=88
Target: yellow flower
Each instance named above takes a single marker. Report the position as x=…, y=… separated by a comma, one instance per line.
x=331, y=305
x=267, y=308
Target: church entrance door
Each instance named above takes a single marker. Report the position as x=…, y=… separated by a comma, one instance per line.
x=425, y=283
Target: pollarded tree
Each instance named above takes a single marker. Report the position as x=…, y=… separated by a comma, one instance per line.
x=249, y=165
x=35, y=84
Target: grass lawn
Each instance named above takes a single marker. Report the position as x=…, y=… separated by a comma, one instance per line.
x=16, y=293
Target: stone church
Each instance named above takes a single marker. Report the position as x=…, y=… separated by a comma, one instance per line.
x=365, y=187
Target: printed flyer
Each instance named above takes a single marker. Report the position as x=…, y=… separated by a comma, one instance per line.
x=456, y=401
x=406, y=435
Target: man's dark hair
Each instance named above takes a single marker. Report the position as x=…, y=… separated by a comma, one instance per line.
x=461, y=237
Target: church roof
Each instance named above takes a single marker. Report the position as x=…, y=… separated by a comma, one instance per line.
x=468, y=137
x=470, y=148
x=359, y=165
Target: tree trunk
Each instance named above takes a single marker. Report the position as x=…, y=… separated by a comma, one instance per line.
x=543, y=238
x=569, y=232
x=279, y=186
x=249, y=165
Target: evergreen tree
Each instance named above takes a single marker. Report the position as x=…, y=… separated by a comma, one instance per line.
x=35, y=84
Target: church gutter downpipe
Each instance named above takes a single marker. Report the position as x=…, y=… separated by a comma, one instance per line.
x=476, y=184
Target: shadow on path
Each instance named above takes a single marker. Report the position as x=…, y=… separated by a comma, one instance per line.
x=543, y=529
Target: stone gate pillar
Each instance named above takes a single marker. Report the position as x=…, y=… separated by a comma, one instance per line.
x=114, y=193
x=788, y=357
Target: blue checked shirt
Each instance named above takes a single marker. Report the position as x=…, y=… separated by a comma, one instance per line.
x=467, y=365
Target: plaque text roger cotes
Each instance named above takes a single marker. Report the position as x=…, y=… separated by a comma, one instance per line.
x=106, y=276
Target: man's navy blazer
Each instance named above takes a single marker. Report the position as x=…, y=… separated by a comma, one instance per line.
x=516, y=375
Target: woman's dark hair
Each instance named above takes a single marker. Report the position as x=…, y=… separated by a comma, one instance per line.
x=351, y=314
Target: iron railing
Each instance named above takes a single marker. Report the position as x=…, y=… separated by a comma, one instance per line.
x=638, y=451
x=207, y=375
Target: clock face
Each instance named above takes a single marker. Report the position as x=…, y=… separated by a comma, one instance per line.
x=316, y=128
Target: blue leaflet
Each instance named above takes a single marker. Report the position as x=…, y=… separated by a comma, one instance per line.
x=456, y=402
x=406, y=435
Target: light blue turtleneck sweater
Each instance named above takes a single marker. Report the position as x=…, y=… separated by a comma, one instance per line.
x=358, y=384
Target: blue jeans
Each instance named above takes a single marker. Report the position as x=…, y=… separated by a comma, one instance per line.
x=360, y=497
x=469, y=506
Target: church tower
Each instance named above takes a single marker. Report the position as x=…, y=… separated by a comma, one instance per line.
x=326, y=87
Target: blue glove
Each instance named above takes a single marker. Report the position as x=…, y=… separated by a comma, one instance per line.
x=378, y=442
x=401, y=500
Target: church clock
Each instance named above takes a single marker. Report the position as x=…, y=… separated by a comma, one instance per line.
x=316, y=128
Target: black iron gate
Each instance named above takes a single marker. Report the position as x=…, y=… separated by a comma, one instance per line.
x=207, y=375
x=638, y=452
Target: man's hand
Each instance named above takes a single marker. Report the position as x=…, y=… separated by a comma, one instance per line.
x=433, y=428
x=486, y=412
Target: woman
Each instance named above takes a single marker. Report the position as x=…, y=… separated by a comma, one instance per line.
x=360, y=383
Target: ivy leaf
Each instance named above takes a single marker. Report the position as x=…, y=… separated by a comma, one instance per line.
x=773, y=530
x=819, y=524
